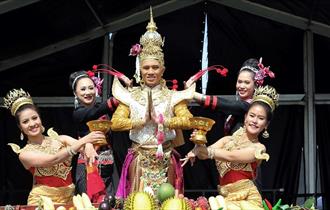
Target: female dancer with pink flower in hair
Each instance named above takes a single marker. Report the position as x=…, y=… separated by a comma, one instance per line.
x=86, y=87
x=250, y=76
x=238, y=156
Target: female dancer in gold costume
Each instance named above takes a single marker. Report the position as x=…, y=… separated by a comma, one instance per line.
x=48, y=158
x=238, y=156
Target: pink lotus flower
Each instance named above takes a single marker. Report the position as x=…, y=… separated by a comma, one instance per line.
x=135, y=50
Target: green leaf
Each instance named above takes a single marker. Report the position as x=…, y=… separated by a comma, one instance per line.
x=309, y=203
x=284, y=207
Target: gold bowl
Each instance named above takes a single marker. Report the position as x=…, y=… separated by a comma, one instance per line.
x=99, y=125
x=202, y=125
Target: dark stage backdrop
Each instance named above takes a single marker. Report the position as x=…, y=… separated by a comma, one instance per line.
x=234, y=36
x=322, y=141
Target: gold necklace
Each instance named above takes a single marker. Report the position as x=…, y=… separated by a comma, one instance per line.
x=238, y=141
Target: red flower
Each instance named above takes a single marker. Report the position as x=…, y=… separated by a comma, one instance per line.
x=94, y=67
x=175, y=82
x=223, y=72
x=90, y=73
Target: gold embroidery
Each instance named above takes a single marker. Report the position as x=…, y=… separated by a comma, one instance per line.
x=51, y=147
x=158, y=95
x=154, y=170
x=236, y=142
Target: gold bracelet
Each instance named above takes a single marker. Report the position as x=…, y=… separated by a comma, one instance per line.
x=210, y=153
x=69, y=151
x=72, y=151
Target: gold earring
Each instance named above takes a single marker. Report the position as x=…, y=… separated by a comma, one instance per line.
x=21, y=136
x=265, y=134
x=163, y=82
x=142, y=83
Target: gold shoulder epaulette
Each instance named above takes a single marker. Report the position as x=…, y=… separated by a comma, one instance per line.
x=15, y=148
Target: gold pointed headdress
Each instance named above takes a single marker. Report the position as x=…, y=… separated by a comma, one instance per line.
x=268, y=95
x=15, y=99
x=152, y=43
x=150, y=47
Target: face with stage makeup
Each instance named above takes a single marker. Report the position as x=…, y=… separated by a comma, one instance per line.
x=28, y=120
x=257, y=118
x=85, y=91
x=245, y=84
x=152, y=72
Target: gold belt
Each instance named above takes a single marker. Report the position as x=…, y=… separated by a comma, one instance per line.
x=136, y=146
x=234, y=187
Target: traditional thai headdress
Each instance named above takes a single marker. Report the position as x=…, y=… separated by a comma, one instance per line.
x=268, y=95
x=15, y=99
x=260, y=73
x=150, y=47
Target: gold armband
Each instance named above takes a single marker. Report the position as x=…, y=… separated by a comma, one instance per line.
x=137, y=123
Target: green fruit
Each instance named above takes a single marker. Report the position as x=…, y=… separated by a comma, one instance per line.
x=140, y=201
x=175, y=204
x=165, y=191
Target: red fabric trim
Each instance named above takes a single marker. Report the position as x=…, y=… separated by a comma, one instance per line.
x=207, y=101
x=214, y=102
x=109, y=102
x=95, y=185
x=112, y=103
x=234, y=176
x=115, y=102
x=52, y=181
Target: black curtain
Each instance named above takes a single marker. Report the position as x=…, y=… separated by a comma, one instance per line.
x=285, y=150
x=322, y=141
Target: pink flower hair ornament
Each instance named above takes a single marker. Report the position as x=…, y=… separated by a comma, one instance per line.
x=135, y=50
x=97, y=81
x=105, y=68
x=262, y=73
x=219, y=69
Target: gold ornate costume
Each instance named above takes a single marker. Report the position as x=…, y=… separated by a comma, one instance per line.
x=236, y=179
x=54, y=181
x=151, y=161
x=146, y=167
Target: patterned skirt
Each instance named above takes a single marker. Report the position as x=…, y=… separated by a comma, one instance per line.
x=143, y=169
